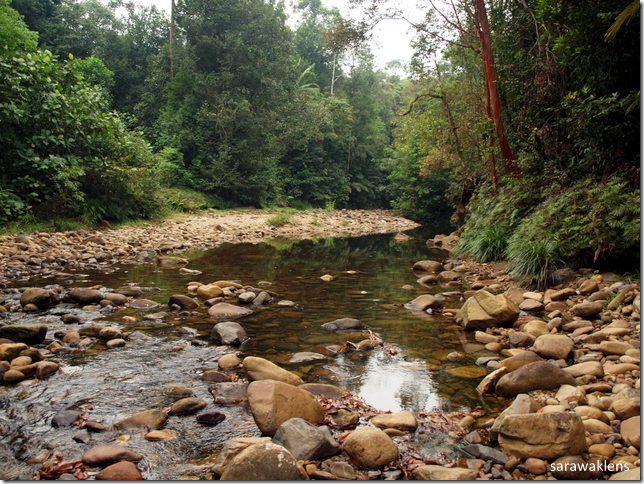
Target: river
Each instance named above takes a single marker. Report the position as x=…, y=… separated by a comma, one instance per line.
x=372, y=281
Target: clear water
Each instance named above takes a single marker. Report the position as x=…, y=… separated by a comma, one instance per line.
x=409, y=372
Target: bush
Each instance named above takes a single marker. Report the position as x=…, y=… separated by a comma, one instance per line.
x=484, y=245
x=533, y=261
x=279, y=219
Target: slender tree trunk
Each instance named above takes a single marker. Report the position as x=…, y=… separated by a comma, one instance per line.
x=492, y=91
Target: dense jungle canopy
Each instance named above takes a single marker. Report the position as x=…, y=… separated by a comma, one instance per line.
x=520, y=119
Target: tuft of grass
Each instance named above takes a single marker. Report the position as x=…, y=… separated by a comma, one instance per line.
x=534, y=261
x=279, y=219
x=484, y=244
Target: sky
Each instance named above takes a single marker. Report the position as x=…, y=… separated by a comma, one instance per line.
x=391, y=39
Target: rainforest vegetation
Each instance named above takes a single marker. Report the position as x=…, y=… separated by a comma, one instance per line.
x=519, y=119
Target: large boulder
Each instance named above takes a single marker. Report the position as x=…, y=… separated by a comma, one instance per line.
x=31, y=334
x=539, y=375
x=262, y=369
x=542, y=435
x=370, y=448
x=306, y=441
x=484, y=310
x=262, y=462
x=228, y=333
x=43, y=298
x=274, y=402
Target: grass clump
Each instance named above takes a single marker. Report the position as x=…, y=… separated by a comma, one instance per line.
x=279, y=219
x=483, y=244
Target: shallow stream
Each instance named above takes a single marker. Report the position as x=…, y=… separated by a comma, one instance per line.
x=409, y=372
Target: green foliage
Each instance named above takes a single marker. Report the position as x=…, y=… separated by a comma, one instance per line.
x=178, y=199
x=63, y=153
x=14, y=33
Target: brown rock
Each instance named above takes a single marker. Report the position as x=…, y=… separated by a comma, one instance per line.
x=630, y=430
x=556, y=346
x=109, y=454
x=121, y=471
x=587, y=309
x=539, y=375
x=265, y=461
x=433, y=472
x=262, y=369
x=484, y=310
x=274, y=402
x=517, y=361
x=404, y=420
x=542, y=435
x=147, y=419
x=370, y=448
x=187, y=406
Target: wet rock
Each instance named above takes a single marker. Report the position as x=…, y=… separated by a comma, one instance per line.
x=273, y=402
x=160, y=435
x=232, y=447
x=121, y=471
x=44, y=369
x=555, y=346
x=84, y=295
x=484, y=310
x=115, y=343
x=428, y=279
x=30, y=334
x=211, y=418
x=224, y=310
x=110, y=332
x=226, y=362
x=433, y=472
x=170, y=262
x=539, y=375
x=471, y=371
x=519, y=339
x=325, y=389
x=39, y=297
x=542, y=435
x=209, y=291
x=65, y=418
x=146, y=419
x=343, y=324
x=115, y=298
x=187, y=406
x=306, y=357
x=488, y=384
x=427, y=266
x=424, y=302
x=228, y=333
x=262, y=369
x=109, y=454
x=178, y=391
x=229, y=393
x=266, y=461
x=9, y=351
x=305, y=441
x=370, y=448
x=143, y=304
x=184, y=302
x=404, y=420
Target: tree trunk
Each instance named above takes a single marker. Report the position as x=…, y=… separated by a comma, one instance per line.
x=492, y=92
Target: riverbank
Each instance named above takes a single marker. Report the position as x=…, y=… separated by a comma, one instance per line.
x=45, y=253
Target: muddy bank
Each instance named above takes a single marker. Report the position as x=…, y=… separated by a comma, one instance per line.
x=26, y=255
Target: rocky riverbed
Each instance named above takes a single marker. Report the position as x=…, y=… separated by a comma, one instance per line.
x=565, y=361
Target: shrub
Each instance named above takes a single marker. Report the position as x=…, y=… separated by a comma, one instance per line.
x=485, y=244
x=279, y=219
